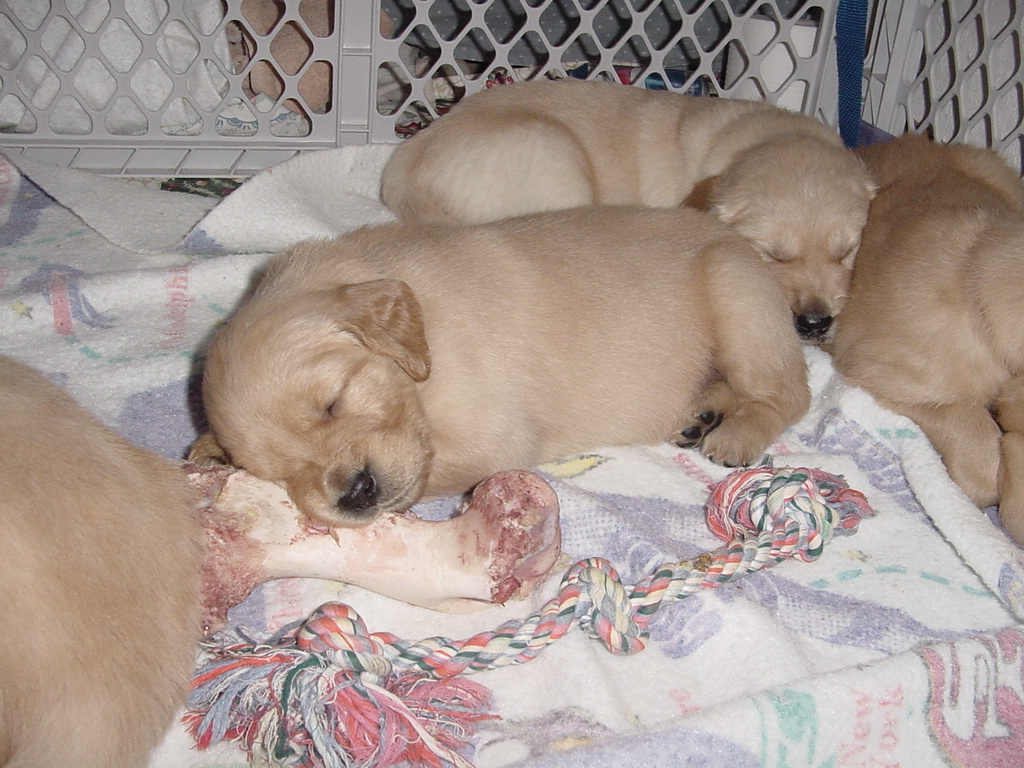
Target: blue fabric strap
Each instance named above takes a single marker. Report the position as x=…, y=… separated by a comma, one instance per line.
x=851, y=46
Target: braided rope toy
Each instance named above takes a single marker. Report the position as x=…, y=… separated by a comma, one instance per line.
x=329, y=693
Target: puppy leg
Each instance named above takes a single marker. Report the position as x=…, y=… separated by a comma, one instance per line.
x=1011, y=485
x=1010, y=410
x=763, y=386
x=967, y=438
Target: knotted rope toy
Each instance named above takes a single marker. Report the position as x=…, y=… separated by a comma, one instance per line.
x=328, y=693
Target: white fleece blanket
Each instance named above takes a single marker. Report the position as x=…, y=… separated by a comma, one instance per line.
x=901, y=645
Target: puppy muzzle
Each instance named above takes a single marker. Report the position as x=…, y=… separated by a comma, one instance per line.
x=361, y=496
x=813, y=327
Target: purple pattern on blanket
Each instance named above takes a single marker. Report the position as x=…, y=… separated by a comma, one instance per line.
x=648, y=531
x=834, y=618
x=660, y=749
x=836, y=435
x=1011, y=587
x=26, y=203
x=685, y=627
x=160, y=419
x=199, y=241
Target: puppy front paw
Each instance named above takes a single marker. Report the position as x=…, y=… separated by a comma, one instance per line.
x=206, y=452
x=703, y=424
x=730, y=430
x=731, y=445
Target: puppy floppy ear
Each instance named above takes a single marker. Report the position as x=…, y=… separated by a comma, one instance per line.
x=385, y=316
x=701, y=196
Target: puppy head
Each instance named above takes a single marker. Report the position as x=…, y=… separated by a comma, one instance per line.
x=802, y=202
x=317, y=391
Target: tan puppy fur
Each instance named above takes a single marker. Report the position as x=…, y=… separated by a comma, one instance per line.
x=781, y=179
x=99, y=587
x=933, y=326
x=407, y=360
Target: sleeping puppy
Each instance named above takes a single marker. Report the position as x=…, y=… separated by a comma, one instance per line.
x=409, y=359
x=781, y=179
x=933, y=326
x=99, y=596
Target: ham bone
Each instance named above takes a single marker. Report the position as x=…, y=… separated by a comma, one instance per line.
x=500, y=544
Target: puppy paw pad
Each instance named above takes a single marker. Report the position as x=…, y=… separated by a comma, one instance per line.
x=706, y=422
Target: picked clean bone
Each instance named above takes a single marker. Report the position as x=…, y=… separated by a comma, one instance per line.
x=500, y=544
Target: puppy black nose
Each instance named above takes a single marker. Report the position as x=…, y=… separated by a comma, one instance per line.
x=812, y=327
x=362, y=494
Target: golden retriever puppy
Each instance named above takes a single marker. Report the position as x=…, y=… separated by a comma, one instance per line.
x=933, y=326
x=99, y=591
x=367, y=371
x=781, y=179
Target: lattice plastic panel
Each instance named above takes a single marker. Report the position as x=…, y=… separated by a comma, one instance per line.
x=231, y=86
x=178, y=86
x=435, y=51
x=952, y=68
x=228, y=87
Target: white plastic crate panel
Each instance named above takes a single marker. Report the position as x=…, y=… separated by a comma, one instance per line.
x=227, y=87
x=951, y=68
x=435, y=51
x=193, y=87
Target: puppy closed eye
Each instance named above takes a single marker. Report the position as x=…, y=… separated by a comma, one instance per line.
x=777, y=256
x=341, y=412
x=333, y=409
x=351, y=404
x=332, y=403
x=335, y=397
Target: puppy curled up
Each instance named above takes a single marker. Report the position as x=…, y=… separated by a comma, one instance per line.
x=408, y=360
x=781, y=179
x=933, y=327
x=99, y=585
